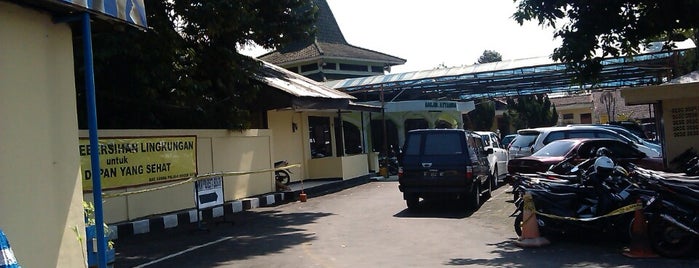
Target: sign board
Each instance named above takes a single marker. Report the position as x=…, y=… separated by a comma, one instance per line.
x=428, y=105
x=131, y=11
x=209, y=192
x=137, y=161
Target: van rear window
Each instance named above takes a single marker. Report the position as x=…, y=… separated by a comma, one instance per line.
x=443, y=144
x=412, y=145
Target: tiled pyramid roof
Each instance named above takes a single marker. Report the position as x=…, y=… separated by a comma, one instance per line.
x=329, y=43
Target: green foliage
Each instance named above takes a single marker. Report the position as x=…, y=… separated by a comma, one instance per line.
x=614, y=28
x=89, y=210
x=185, y=72
x=489, y=56
x=482, y=117
x=531, y=111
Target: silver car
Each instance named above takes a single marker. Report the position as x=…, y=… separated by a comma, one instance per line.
x=529, y=141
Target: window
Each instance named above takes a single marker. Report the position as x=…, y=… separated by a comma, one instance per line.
x=586, y=118
x=353, y=67
x=320, y=139
x=330, y=66
x=567, y=116
x=443, y=144
x=496, y=140
x=352, y=137
x=486, y=140
x=410, y=124
x=554, y=136
x=581, y=134
x=377, y=138
x=309, y=67
x=412, y=146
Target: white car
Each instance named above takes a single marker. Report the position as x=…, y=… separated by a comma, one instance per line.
x=498, y=159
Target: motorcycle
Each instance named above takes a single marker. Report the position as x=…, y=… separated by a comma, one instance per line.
x=390, y=162
x=673, y=213
x=282, y=176
x=599, y=202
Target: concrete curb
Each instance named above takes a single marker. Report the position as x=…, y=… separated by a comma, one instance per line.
x=189, y=217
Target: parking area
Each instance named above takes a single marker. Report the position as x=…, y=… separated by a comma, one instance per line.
x=369, y=225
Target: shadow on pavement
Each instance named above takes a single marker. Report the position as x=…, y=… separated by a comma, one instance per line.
x=449, y=209
x=244, y=235
x=592, y=251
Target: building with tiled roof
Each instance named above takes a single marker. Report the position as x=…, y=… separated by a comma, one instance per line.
x=328, y=56
x=589, y=108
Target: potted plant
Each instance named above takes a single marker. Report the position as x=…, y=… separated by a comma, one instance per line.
x=91, y=233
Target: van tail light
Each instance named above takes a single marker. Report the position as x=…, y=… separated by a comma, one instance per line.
x=469, y=172
x=400, y=172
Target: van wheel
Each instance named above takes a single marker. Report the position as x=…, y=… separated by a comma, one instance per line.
x=475, y=200
x=412, y=200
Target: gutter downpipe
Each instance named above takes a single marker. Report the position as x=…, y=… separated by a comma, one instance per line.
x=94, y=141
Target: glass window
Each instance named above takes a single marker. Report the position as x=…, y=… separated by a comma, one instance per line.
x=309, y=67
x=479, y=146
x=443, y=144
x=580, y=134
x=486, y=140
x=320, y=139
x=556, y=148
x=496, y=140
x=377, y=135
x=412, y=145
x=554, y=136
x=352, y=137
x=607, y=135
x=524, y=140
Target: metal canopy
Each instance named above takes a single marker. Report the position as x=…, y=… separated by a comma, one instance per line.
x=512, y=78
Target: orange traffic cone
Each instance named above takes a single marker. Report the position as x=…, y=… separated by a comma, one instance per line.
x=530, y=226
x=640, y=246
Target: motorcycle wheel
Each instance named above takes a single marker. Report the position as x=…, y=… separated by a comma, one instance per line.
x=669, y=240
x=282, y=176
x=518, y=224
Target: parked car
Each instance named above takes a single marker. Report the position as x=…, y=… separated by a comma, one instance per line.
x=507, y=140
x=498, y=159
x=628, y=134
x=438, y=163
x=630, y=126
x=579, y=150
x=528, y=141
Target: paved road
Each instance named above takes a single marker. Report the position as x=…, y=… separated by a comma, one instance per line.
x=369, y=226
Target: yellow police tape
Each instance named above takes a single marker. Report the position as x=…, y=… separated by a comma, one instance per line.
x=529, y=204
x=199, y=177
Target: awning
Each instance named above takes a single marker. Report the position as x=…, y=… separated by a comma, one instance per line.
x=300, y=92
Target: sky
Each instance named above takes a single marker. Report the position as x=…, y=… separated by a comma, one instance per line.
x=434, y=32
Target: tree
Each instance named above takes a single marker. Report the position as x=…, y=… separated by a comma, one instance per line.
x=185, y=72
x=482, y=116
x=530, y=111
x=489, y=56
x=612, y=28
x=609, y=102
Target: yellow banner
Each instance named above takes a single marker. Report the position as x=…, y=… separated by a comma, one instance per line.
x=137, y=161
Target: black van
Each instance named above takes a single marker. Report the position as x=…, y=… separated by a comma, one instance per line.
x=436, y=163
